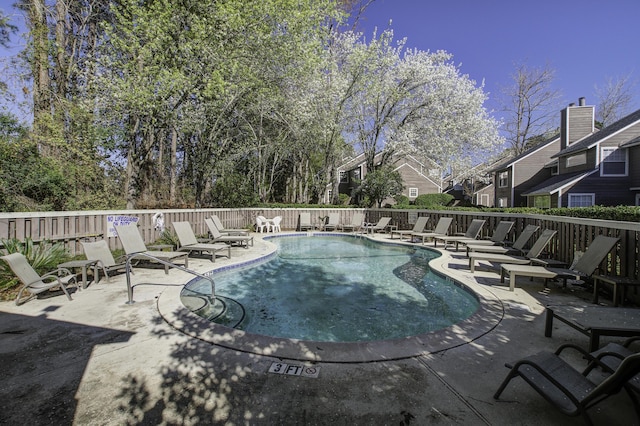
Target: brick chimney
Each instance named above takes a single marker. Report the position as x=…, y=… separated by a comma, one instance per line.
x=576, y=122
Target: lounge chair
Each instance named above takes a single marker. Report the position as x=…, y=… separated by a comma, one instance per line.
x=583, y=268
x=356, y=223
x=135, y=249
x=498, y=237
x=534, y=252
x=189, y=242
x=305, y=222
x=609, y=358
x=381, y=226
x=99, y=250
x=471, y=235
x=441, y=229
x=32, y=282
x=421, y=222
x=227, y=231
x=517, y=248
x=242, y=240
x=332, y=223
x=566, y=388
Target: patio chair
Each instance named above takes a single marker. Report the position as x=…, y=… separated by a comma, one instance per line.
x=99, y=250
x=275, y=224
x=566, y=388
x=242, y=240
x=378, y=227
x=262, y=224
x=189, y=242
x=534, y=252
x=516, y=248
x=498, y=237
x=305, y=222
x=471, y=235
x=227, y=231
x=332, y=223
x=609, y=358
x=583, y=268
x=441, y=229
x=418, y=227
x=32, y=282
x=135, y=249
x=356, y=223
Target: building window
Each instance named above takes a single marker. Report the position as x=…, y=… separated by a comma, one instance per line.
x=484, y=200
x=356, y=174
x=581, y=200
x=542, y=201
x=503, y=179
x=413, y=192
x=614, y=162
x=330, y=195
x=502, y=202
x=577, y=160
x=344, y=177
x=554, y=169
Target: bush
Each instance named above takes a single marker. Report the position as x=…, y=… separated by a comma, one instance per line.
x=402, y=201
x=43, y=257
x=433, y=200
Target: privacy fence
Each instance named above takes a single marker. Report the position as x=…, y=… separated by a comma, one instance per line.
x=573, y=234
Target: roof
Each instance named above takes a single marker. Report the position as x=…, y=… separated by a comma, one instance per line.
x=557, y=183
x=594, y=138
x=525, y=154
x=632, y=142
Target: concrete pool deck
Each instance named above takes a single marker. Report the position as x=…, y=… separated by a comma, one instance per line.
x=98, y=360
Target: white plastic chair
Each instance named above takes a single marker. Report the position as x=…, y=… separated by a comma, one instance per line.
x=275, y=227
x=262, y=224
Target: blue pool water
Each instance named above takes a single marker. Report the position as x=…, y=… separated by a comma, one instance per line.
x=338, y=289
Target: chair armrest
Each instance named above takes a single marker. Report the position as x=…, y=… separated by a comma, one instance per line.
x=574, y=347
x=53, y=275
x=630, y=340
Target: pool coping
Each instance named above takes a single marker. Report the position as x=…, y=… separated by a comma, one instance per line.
x=485, y=319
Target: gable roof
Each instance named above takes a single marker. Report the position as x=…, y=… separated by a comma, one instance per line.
x=526, y=153
x=632, y=142
x=595, y=138
x=557, y=183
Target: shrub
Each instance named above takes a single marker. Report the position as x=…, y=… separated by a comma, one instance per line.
x=433, y=200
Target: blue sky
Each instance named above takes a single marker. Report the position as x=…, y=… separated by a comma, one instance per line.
x=584, y=41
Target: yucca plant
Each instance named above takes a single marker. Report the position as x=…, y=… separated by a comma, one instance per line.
x=169, y=237
x=43, y=257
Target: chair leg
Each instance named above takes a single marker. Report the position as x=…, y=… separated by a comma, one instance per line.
x=505, y=382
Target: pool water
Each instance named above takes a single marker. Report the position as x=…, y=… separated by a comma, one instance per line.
x=340, y=289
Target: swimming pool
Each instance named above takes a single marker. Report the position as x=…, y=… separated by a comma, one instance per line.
x=332, y=288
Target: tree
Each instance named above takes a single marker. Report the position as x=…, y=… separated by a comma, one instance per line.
x=380, y=184
x=614, y=99
x=530, y=104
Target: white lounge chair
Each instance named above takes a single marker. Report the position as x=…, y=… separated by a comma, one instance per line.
x=332, y=223
x=356, y=223
x=381, y=226
x=228, y=231
x=99, y=250
x=32, y=282
x=305, y=222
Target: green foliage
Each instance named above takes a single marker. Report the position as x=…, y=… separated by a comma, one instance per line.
x=343, y=199
x=402, y=201
x=169, y=237
x=433, y=200
x=43, y=257
x=380, y=184
x=234, y=190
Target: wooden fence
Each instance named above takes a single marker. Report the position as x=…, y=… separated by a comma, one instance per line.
x=572, y=233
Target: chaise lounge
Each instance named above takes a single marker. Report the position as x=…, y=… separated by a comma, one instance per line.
x=189, y=242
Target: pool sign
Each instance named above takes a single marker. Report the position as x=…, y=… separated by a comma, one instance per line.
x=294, y=370
x=113, y=220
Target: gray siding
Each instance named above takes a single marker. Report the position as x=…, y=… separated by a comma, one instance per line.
x=529, y=172
x=576, y=122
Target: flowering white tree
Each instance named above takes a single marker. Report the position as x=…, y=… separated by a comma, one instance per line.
x=416, y=101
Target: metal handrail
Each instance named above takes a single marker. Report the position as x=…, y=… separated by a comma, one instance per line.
x=164, y=262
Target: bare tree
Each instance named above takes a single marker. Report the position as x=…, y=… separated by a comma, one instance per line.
x=531, y=105
x=614, y=99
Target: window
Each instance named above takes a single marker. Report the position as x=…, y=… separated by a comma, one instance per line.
x=502, y=202
x=484, y=200
x=581, y=200
x=413, y=192
x=330, y=195
x=503, y=179
x=554, y=169
x=356, y=174
x=614, y=162
x=577, y=160
x=344, y=177
x=542, y=201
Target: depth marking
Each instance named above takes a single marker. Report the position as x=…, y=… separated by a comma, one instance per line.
x=294, y=370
